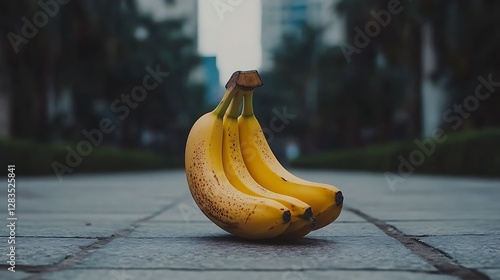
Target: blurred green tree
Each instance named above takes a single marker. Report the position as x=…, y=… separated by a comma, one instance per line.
x=464, y=39
x=97, y=51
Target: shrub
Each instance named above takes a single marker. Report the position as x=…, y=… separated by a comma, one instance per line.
x=33, y=158
x=474, y=153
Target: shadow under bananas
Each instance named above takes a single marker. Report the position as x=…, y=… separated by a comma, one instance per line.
x=234, y=240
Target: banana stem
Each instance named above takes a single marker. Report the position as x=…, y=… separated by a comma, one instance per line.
x=234, y=108
x=247, y=104
x=220, y=110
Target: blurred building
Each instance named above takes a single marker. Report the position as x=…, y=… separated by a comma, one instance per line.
x=162, y=10
x=211, y=80
x=207, y=72
x=280, y=17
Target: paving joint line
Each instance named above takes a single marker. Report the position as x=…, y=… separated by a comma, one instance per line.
x=439, y=220
x=58, y=237
x=458, y=234
x=69, y=261
x=442, y=261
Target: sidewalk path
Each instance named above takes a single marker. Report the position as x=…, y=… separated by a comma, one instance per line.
x=145, y=226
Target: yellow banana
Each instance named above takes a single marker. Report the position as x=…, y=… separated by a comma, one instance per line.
x=326, y=200
x=302, y=220
x=240, y=214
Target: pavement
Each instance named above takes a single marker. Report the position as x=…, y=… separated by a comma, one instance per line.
x=146, y=226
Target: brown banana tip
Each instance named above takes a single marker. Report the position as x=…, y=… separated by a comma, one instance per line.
x=313, y=222
x=246, y=80
x=339, y=198
x=308, y=214
x=287, y=217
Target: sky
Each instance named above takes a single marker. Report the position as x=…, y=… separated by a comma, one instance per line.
x=230, y=30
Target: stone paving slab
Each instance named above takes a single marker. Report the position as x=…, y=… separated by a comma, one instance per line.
x=458, y=227
x=71, y=225
x=493, y=273
x=117, y=193
x=18, y=275
x=176, y=229
x=346, y=216
x=358, y=229
x=231, y=275
x=371, y=191
x=46, y=251
x=184, y=211
x=469, y=250
x=442, y=215
x=459, y=216
x=207, y=251
x=92, y=201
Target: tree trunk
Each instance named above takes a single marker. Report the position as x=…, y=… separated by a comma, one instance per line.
x=416, y=85
x=21, y=112
x=43, y=76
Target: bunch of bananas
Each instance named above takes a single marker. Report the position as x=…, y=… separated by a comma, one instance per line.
x=238, y=183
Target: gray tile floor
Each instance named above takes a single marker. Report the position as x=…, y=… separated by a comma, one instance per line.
x=146, y=226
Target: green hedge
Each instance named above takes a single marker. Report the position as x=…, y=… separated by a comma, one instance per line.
x=475, y=153
x=33, y=158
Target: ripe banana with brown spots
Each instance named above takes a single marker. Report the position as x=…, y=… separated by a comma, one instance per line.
x=302, y=220
x=325, y=200
x=238, y=213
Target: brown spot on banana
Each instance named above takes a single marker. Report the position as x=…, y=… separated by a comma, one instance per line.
x=248, y=217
